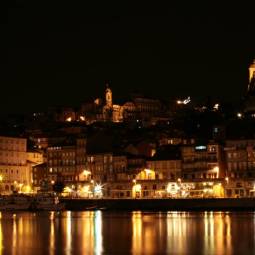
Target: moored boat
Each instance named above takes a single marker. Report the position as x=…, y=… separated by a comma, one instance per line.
x=48, y=202
x=15, y=202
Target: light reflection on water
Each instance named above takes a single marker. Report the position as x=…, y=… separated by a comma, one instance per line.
x=102, y=232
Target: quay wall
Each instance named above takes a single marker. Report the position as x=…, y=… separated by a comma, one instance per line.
x=210, y=204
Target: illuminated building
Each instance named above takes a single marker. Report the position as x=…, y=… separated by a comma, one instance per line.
x=67, y=160
x=14, y=169
x=166, y=163
x=42, y=141
x=101, y=166
x=107, y=167
x=202, y=161
x=240, y=167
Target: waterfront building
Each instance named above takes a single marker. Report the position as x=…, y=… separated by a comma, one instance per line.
x=101, y=167
x=66, y=161
x=15, y=172
x=166, y=163
x=202, y=161
x=240, y=158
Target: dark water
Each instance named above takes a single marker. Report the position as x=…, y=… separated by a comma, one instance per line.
x=101, y=232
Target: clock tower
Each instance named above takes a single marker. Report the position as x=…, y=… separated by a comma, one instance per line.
x=108, y=96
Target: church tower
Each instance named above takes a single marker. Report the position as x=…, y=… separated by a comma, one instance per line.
x=251, y=86
x=108, y=96
x=249, y=103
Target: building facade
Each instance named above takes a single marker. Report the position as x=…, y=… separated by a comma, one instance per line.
x=14, y=171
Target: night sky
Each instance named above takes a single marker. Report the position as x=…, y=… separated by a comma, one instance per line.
x=64, y=52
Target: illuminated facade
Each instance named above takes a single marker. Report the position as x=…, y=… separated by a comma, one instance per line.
x=166, y=169
x=14, y=170
x=202, y=162
x=100, y=166
x=240, y=167
x=66, y=161
x=107, y=167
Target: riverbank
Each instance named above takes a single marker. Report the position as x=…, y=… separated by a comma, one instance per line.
x=198, y=204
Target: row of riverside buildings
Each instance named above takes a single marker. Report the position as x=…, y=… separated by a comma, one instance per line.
x=176, y=164
x=187, y=168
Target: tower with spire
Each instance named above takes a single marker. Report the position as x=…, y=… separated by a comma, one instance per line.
x=251, y=85
x=249, y=101
x=108, y=96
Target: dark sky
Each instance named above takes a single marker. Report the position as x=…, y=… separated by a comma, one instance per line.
x=64, y=52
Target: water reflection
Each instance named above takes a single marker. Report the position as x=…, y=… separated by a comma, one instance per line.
x=97, y=232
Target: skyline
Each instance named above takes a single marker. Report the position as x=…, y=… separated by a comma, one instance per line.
x=66, y=53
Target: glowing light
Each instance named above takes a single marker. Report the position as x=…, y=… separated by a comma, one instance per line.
x=216, y=107
x=200, y=147
x=185, y=101
x=98, y=188
x=153, y=152
x=216, y=169
x=52, y=182
x=239, y=115
x=98, y=226
x=1, y=178
x=172, y=188
x=69, y=119
x=85, y=189
x=68, y=189
x=86, y=172
x=82, y=118
x=148, y=171
x=137, y=187
x=27, y=189
x=218, y=190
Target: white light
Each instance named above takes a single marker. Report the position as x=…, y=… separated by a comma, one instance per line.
x=172, y=188
x=186, y=101
x=98, y=189
x=216, y=107
x=148, y=171
x=239, y=115
x=86, y=172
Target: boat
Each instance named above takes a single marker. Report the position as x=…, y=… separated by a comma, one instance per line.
x=15, y=202
x=47, y=202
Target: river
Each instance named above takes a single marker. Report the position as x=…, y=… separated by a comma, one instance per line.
x=108, y=232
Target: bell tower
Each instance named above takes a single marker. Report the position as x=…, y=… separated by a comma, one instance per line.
x=251, y=77
x=108, y=96
x=251, y=70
